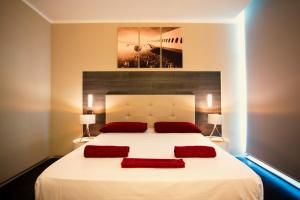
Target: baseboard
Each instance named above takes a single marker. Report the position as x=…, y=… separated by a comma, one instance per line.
x=25, y=171
x=49, y=157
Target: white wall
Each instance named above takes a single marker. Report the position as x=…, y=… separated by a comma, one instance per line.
x=93, y=47
x=24, y=88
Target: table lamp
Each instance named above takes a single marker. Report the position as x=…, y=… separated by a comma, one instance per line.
x=87, y=119
x=215, y=119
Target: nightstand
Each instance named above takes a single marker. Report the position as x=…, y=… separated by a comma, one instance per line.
x=223, y=143
x=80, y=141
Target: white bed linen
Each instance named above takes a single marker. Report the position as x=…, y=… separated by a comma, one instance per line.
x=77, y=178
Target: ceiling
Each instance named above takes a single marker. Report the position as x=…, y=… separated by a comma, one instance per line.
x=85, y=11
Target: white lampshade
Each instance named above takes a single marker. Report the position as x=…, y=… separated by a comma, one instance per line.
x=87, y=119
x=214, y=119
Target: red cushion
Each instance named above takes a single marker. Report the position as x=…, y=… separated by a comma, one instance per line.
x=124, y=127
x=93, y=151
x=176, y=127
x=194, y=151
x=152, y=163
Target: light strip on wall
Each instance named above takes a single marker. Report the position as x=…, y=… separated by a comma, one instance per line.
x=209, y=100
x=90, y=101
x=274, y=171
x=242, y=81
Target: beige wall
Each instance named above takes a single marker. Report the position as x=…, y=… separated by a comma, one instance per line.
x=93, y=47
x=24, y=89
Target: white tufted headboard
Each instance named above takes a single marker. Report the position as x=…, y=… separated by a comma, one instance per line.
x=150, y=108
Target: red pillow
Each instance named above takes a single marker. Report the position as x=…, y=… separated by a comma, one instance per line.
x=176, y=127
x=124, y=127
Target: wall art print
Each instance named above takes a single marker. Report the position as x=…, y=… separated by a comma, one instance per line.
x=150, y=47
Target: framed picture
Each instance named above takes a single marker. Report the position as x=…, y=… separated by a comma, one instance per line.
x=128, y=47
x=150, y=47
x=171, y=47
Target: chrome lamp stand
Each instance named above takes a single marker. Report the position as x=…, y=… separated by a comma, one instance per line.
x=87, y=131
x=217, y=130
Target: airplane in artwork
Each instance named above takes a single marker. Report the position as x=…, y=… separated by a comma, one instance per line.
x=170, y=41
x=169, y=44
x=171, y=47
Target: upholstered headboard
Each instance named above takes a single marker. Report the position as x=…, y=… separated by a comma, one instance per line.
x=150, y=108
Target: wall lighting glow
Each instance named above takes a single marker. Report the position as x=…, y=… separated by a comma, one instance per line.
x=209, y=100
x=274, y=171
x=242, y=81
x=90, y=101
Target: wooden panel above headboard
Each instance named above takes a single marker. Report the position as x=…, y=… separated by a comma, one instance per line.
x=149, y=82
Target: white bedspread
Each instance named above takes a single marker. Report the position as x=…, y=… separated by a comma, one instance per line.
x=77, y=178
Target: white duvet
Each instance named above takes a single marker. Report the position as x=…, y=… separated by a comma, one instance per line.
x=77, y=178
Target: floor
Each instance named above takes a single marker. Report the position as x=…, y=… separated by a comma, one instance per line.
x=23, y=187
x=274, y=187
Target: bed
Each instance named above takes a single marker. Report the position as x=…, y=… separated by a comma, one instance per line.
x=75, y=177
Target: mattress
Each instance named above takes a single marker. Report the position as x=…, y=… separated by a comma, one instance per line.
x=75, y=177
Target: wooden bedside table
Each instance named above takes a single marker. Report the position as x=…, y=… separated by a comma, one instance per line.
x=223, y=143
x=80, y=141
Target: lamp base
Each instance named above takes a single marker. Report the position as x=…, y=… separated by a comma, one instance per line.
x=217, y=130
x=86, y=132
